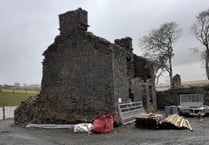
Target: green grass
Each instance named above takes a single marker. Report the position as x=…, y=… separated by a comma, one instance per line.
x=8, y=98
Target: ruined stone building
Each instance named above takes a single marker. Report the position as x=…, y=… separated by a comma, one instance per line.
x=85, y=75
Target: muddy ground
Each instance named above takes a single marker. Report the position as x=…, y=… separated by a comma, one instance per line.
x=126, y=135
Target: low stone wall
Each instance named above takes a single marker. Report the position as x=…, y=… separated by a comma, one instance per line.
x=171, y=96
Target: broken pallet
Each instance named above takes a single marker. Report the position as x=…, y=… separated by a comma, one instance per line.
x=148, y=120
x=154, y=121
x=175, y=121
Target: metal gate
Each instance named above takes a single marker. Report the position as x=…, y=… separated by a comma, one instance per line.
x=128, y=111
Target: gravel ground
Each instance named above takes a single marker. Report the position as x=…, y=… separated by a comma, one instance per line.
x=126, y=135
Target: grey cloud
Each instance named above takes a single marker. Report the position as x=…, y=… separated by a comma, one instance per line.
x=28, y=27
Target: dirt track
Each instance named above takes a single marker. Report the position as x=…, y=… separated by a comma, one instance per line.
x=126, y=135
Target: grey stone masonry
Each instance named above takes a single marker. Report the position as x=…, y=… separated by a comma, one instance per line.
x=140, y=76
x=176, y=80
x=73, y=21
x=83, y=76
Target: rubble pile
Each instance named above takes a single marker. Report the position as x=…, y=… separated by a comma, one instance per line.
x=27, y=111
x=156, y=121
x=176, y=122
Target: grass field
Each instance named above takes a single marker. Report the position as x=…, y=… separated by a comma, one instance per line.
x=9, y=97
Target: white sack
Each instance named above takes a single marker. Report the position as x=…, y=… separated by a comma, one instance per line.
x=83, y=127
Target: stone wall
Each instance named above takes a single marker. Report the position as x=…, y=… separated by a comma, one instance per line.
x=73, y=21
x=143, y=68
x=137, y=89
x=120, y=77
x=127, y=44
x=140, y=76
x=176, y=80
x=83, y=76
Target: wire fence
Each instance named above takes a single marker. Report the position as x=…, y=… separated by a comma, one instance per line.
x=7, y=112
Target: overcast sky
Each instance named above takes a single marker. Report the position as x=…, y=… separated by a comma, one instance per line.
x=28, y=27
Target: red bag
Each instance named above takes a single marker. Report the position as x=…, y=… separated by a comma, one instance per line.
x=104, y=124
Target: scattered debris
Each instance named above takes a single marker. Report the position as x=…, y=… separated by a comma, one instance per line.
x=154, y=121
x=83, y=127
x=175, y=121
x=52, y=126
x=80, y=127
x=148, y=120
x=103, y=124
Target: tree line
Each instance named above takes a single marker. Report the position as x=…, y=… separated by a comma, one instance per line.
x=158, y=44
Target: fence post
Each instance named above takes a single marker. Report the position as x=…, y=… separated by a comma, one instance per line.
x=4, y=113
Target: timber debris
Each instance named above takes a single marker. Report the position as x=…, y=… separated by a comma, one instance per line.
x=175, y=122
x=148, y=120
x=156, y=121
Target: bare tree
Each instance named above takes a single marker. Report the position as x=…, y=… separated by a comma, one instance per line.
x=200, y=29
x=158, y=47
